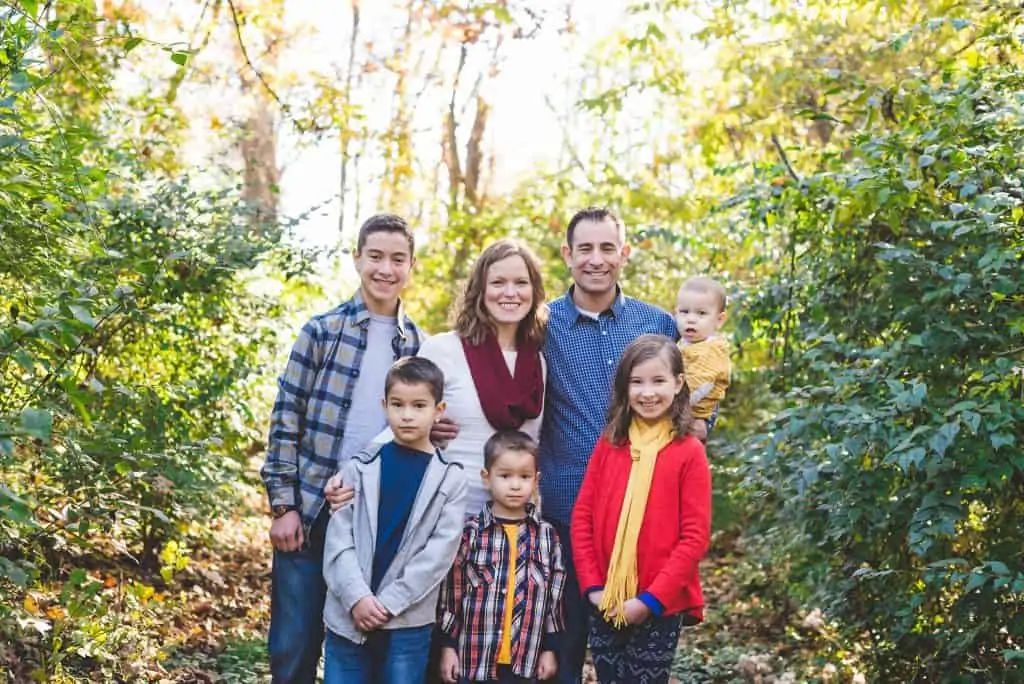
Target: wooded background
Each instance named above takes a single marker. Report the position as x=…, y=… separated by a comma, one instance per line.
x=851, y=169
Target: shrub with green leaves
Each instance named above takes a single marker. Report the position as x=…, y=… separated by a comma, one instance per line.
x=896, y=472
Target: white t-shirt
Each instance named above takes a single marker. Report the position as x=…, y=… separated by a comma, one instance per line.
x=464, y=408
x=366, y=417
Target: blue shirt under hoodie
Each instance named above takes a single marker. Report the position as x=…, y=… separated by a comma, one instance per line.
x=401, y=472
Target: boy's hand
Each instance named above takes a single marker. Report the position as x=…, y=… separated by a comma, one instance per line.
x=450, y=665
x=286, y=532
x=635, y=611
x=369, y=614
x=547, y=665
x=443, y=431
x=337, y=495
x=699, y=429
x=595, y=597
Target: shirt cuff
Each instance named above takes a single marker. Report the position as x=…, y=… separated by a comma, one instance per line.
x=654, y=604
x=283, y=496
x=444, y=639
x=551, y=641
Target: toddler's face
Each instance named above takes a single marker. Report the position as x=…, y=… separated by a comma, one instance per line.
x=697, y=315
x=512, y=479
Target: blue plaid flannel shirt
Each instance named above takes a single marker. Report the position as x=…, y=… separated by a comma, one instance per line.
x=582, y=355
x=313, y=400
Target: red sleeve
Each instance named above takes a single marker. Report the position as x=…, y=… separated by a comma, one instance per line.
x=694, y=524
x=588, y=573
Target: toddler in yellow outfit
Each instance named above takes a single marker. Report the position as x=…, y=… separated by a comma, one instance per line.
x=700, y=313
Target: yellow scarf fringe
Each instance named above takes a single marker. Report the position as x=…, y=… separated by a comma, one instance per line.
x=645, y=441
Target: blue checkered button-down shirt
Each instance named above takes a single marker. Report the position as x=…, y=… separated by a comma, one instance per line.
x=582, y=354
x=313, y=400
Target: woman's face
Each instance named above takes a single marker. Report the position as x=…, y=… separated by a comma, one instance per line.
x=508, y=293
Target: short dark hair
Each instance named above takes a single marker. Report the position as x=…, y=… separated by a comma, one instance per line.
x=385, y=223
x=592, y=213
x=508, y=440
x=415, y=370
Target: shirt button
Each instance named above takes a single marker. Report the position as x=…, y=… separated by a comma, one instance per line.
x=609, y=362
x=604, y=332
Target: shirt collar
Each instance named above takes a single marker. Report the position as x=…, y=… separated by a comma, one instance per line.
x=616, y=308
x=487, y=515
x=361, y=314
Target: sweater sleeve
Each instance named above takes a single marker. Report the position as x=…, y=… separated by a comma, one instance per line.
x=588, y=573
x=708, y=369
x=429, y=567
x=681, y=566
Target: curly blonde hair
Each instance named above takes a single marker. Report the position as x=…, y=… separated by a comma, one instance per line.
x=471, y=320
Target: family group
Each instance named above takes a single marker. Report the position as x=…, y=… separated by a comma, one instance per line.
x=484, y=504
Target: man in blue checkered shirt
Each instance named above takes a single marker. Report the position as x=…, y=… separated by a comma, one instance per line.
x=588, y=330
x=329, y=406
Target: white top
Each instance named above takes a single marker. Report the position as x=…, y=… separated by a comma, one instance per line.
x=366, y=416
x=464, y=408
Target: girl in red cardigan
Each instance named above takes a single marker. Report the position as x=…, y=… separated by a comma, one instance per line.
x=642, y=521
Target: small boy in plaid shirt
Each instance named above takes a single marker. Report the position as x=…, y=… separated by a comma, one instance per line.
x=500, y=609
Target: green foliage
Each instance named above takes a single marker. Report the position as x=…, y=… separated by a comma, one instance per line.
x=132, y=330
x=896, y=322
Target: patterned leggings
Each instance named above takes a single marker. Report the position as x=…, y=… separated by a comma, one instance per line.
x=640, y=654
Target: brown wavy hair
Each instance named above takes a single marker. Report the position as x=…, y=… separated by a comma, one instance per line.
x=471, y=318
x=645, y=348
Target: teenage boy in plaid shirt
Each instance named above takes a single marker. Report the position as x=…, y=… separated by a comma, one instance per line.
x=328, y=408
x=500, y=610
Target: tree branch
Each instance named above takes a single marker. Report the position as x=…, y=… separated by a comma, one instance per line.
x=784, y=158
x=248, y=61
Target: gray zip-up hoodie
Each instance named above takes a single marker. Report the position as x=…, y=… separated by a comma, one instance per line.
x=410, y=586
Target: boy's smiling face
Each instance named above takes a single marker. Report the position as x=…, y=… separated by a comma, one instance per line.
x=411, y=411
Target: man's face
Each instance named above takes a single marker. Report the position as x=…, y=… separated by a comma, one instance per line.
x=596, y=256
x=384, y=264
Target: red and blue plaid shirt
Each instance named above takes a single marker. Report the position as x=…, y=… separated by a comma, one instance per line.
x=472, y=601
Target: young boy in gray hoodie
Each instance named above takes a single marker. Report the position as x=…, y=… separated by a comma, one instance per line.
x=386, y=553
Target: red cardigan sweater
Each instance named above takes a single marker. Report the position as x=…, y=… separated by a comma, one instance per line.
x=675, y=532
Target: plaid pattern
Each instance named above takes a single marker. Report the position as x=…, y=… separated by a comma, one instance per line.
x=472, y=599
x=582, y=355
x=313, y=400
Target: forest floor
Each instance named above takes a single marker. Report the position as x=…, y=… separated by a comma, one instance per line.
x=209, y=622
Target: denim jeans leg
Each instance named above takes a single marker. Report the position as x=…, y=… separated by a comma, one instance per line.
x=573, y=650
x=296, y=611
x=345, y=662
x=407, y=655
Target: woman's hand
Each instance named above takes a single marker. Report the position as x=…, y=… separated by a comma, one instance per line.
x=595, y=597
x=337, y=495
x=443, y=431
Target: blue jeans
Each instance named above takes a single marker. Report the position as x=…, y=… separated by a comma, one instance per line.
x=573, y=648
x=389, y=656
x=297, y=597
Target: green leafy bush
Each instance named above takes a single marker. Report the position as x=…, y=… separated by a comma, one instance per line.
x=896, y=471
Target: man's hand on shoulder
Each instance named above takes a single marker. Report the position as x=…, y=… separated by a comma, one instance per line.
x=286, y=532
x=699, y=429
x=336, y=494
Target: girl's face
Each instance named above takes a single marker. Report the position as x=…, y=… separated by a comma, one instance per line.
x=508, y=292
x=653, y=388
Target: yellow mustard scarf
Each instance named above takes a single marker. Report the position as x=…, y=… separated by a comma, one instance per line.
x=645, y=441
